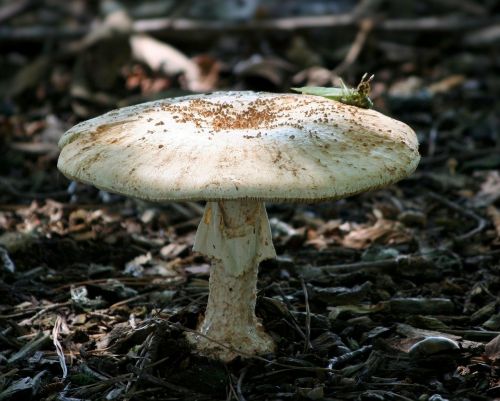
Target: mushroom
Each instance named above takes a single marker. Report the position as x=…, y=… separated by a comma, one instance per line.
x=237, y=150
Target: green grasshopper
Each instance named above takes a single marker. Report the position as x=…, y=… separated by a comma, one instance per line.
x=355, y=97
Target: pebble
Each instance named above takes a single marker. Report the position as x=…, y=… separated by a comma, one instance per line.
x=437, y=397
x=432, y=346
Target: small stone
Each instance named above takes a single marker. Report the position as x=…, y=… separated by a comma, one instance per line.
x=412, y=218
x=370, y=396
x=431, y=346
x=437, y=397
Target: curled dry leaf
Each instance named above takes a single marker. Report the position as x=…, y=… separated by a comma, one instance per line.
x=199, y=75
x=384, y=231
x=490, y=190
x=494, y=214
x=492, y=349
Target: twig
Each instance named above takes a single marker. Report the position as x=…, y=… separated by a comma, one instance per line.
x=322, y=21
x=239, y=392
x=41, y=33
x=437, y=24
x=348, y=356
x=283, y=296
x=183, y=25
x=481, y=223
x=434, y=131
x=41, y=311
x=15, y=8
x=142, y=362
x=47, y=309
x=163, y=383
x=307, y=342
x=232, y=391
x=391, y=394
x=294, y=321
x=30, y=348
x=357, y=45
x=59, y=349
x=128, y=300
x=108, y=381
x=278, y=24
x=409, y=262
x=131, y=281
x=473, y=335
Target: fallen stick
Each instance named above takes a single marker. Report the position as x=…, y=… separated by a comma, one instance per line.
x=481, y=223
x=200, y=27
x=311, y=22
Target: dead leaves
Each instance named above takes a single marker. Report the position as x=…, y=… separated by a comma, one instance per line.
x=360, y=236
x=494, y=214
x=200, y=74
x=489, y=191
x=387, y=232
x=492, y=349
x=50, y=217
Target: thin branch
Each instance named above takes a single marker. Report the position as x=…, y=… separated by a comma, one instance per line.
x=203, y=27
x=307, y=342
x=481, y=223
x=239, y=392
x=15, y=8
x=407, y=262
x=452, y=23
x=357, y=45
x=59, y=349
x=232, y=391
x=293, y=321
x=278, y=24
x=41, y=311
x=348, y=356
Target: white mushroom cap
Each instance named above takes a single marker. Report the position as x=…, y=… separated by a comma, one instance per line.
x=233, y=145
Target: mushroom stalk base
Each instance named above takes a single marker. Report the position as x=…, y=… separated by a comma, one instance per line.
x=236, y=235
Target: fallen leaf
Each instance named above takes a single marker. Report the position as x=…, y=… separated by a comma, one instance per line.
x=446, y=84
x=492, y=349
x=490, y=190
x=162, y=57
x=494, y=214
x=385, y=231
x=203, y=269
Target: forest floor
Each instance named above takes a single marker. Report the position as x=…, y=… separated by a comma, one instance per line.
x=97, y=291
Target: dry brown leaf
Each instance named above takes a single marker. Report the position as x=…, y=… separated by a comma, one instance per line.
x=490, y=190
x=383, y=231
x=446, y=84
x=162, y=57
x=492, y=349
x=494, y=214
x=203, y=269
x=172, y=250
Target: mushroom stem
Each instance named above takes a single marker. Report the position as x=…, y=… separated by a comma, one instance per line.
x=237, y=236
